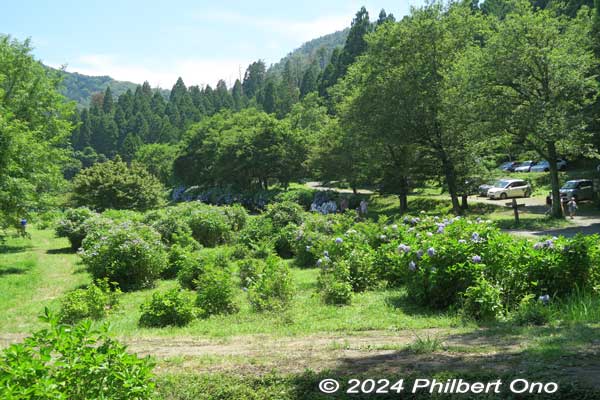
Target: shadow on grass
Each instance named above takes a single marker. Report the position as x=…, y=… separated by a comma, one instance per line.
x=18, y=268
x=402, y=303
x=9, y=249
x=64, y=250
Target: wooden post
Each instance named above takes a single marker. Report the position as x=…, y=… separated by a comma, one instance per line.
x=516, y=209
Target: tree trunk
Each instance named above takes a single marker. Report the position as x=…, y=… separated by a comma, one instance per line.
x=464, y=204
x=556, y=204
x=354, y=190
x=450, y=174
x=403, y=194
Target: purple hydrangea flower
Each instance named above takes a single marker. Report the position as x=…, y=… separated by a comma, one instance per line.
x=431, y=252
x=339, y=240
x=476, y=259
x=412, y=266
x=403, y=248
x=475, y=237
x=538, y=245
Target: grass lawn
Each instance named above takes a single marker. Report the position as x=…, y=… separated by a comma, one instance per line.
x=283, y=356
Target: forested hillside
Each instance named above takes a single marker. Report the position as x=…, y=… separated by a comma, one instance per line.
x=80, y=88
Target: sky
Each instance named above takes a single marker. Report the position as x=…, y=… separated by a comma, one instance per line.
x=159, y=40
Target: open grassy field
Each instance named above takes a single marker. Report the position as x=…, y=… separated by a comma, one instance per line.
x=284, y=356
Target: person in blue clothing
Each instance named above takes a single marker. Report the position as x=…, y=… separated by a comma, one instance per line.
x=23, y=226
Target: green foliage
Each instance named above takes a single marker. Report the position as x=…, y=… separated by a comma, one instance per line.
x=192, y=266
x=157, y=159
x=284, y=241
x=72, y=225
x=180, y=257
x=75, y=363
x=482, y=301
x=171, y=308
x=113, y=184
x=94, y=302
x=249, y=271
x=210, y=225
x=34, y=128
x=131, y=255
x=216, y=291
x=301, y=196
x=257, y=229
x=172, y=226
x=284, y=213
x=272, y=288
x=531, y=311
x=237, y=216
x=241, y=150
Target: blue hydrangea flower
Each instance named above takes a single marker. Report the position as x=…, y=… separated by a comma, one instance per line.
x=476, y=259
x=339, y=240
x=545, y=299
x=475, y=237
x=431, y=252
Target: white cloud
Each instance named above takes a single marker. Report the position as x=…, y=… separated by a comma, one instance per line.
x=297, y=29
x=193, y=71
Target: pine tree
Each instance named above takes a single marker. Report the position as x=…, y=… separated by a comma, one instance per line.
x=107, y=101
x=254, y=78
x=269, y=101
x=237, y=95
x=309, y=80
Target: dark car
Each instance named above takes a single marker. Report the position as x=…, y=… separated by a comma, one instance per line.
x=509, y=166
x=482, y=190
x=580, y=189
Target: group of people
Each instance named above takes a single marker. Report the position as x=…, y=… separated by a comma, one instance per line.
x=332, y=207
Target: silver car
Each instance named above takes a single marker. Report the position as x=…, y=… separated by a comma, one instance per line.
x=506, y=188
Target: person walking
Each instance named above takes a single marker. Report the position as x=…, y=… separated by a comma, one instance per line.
x=572, y=207
x=364, y=208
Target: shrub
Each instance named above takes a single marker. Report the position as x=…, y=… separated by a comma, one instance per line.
x=216, y=291
x=257, y=229
x=173, y=227
x=303, y=197
x=284, y=241
x=209, y=225
x=131, y=255
x=531, y=311
x=75, y=363
x=333, y=283
x=237, y=216
x=336, y=292
x=483, y=301
x=193, y=267
x=282, y=214
x=72, y=225
x=249, y=270
x=179, y=257
x=93, y=302
x=112, y=184
x=170, y=308
x=272, y=289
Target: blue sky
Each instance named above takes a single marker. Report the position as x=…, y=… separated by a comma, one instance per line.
x=202, y=41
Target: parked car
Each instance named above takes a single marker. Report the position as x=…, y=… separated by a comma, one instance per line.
x=506, y=188
x=581, y=189
x=483, y=189
x=525, y=166
x=544, y=166
x=509, y=166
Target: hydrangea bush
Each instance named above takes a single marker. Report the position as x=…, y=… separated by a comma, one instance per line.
x=131, y=255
